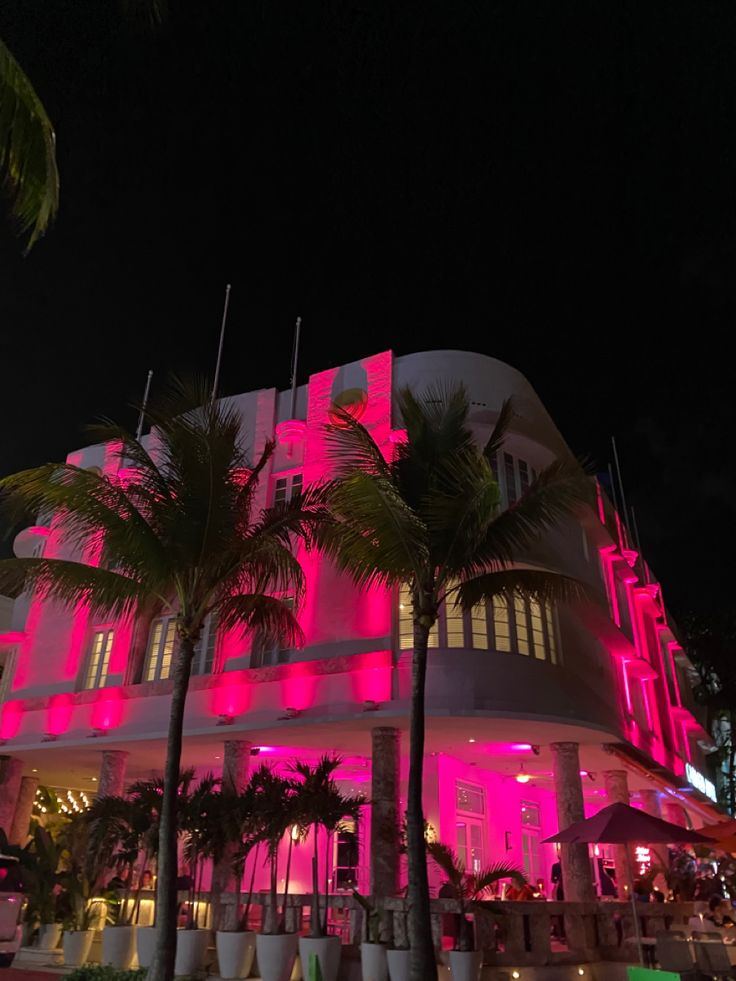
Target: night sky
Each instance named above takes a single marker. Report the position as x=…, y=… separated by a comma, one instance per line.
x=552, y=184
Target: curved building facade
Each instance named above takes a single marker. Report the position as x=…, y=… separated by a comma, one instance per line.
x=526, y=704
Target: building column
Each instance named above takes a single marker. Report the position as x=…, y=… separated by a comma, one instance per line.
x=235, y=767
x=650, y=802
x=385, y=828
x=674, y=813
x=11, y=770
x=112, y=773
x=23, y=810
x=577, y=879
x=616, y=783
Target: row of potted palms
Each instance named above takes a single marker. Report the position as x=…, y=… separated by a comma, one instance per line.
x=120, y=836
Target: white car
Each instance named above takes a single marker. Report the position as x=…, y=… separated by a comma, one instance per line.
x=11, y=907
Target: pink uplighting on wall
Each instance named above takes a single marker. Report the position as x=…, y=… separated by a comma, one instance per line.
x=11, y=714
x=59, y=713
x=299, y=687
x=12, y=637
x=107, y=711
x=232, y=698
x=371, y=682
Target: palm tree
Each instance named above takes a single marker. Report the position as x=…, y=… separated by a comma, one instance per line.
x=470, y=888
x=181, y=530
x=27, y=151
x=274, y=814
x=321, y=804
x=431, y=519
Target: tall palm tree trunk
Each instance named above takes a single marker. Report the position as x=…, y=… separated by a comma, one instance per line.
x=162, y=968
x=423, y=964
x=316, y=926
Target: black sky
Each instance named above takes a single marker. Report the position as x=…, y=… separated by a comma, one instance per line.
x=548, y=183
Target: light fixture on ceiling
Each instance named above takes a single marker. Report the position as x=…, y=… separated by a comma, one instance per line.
x=225, y=719
x=370, y=705
x=290, y=713
x=522, y=776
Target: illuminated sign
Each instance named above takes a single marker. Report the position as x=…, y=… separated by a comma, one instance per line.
x=643, y=859
x=696, y=779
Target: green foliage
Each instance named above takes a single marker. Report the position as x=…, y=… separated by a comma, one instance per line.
x=315, y=968
x=96, y=972
x=319, y=803
x=470, y=888
x=27, y=151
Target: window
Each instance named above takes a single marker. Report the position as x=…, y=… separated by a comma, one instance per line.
x=508, y=463
x=551, y=632
x=469, y=798
x=288, y=487
x=479, y=627
x=406, y=623
x=455, y=622
x=206, y=647
x=525, y=627
x=530, y=814
x=535, y=611
x=99, y=659
x=501, y=625
x=522, y=631
x=266, y=648
x=523, y=476
x=531, y=860
x=470, y=845
x=160, y=649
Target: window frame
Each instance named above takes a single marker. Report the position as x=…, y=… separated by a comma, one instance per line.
x=102, y=670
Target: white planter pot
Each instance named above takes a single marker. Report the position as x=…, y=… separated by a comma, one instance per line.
x=373, y=963
x=327, y=950
x=119, y=946
x=276, y=955
x=77, y=944
x=398, y=964
x=235, y=952
x=49, y=935
x=145, y=941
x=466, y=965
x=191, y=950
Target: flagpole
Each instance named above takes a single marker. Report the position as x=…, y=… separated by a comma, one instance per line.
x=294, y=363
x=144, y=405
x=222, y=340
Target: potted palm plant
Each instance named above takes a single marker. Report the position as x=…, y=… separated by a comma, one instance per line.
x=276, y=816
x=322, y=807
x=146, y=796
x=82, y=912
x=236, y=947
x=201, y=826
x=41, y=881
x=116, y=830
x=470, y=889
x=373, y=962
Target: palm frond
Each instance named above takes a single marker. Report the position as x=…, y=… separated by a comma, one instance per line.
x=351, y=447
x=482, y=881
x=27, y=151
x=71, y=583
x=266, y=614
x=500, y=430
x=534, y=584
x=447, y=861
x=558, y=492
x=376, y=537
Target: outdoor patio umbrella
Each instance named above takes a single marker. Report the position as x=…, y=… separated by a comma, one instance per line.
x=619, y=824
x=724, y=834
